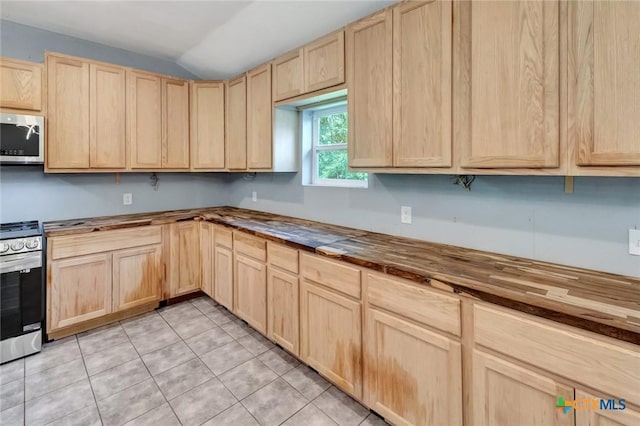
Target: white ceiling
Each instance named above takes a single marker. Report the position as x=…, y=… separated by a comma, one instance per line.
x=212, y=39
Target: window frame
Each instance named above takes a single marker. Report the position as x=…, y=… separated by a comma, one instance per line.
x=316, y=148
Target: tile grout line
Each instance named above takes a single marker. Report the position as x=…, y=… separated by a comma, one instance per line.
x=151, y=375
x=95, y=399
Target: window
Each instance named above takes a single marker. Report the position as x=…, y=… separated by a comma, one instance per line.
x=329, y=166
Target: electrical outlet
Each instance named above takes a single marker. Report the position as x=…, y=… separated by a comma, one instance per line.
x=634, y=242
x=254, y=196
x=405, y=214
x=127, y=198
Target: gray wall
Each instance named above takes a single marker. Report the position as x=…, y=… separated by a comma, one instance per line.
x=28, y=43
x=523, y=216
x=27, y=193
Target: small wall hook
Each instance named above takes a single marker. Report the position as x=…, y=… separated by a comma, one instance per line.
x=464, y=180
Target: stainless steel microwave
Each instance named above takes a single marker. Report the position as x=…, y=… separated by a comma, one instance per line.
x=21, y=139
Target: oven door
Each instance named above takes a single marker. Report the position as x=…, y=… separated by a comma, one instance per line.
x=21, y=294
x=21, y=139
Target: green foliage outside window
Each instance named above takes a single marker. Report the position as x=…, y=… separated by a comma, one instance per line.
x=332, y=164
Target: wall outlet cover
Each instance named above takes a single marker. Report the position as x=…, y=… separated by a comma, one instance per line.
x=634, y=242
x=405, y=214
x=254, y=196
x=127, y=198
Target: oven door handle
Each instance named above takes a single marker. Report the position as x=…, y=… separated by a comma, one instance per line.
x=19, y=262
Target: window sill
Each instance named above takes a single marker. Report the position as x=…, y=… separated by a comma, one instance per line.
x=337, y=185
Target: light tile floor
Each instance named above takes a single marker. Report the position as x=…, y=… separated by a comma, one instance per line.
x=191, y=363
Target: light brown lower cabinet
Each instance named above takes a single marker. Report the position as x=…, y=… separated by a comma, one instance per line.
x=223, y=267
x=184, y=254
x=250, y=291
x=413, y=376
x=506, y=394
x=283, y=309
x=79, y=289
x=627, y=417
x=136, y=277
x=331, y=336
x=207, y=261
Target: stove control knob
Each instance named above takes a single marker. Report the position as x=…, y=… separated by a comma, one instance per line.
x=4, y=247
x=18, y=245
x=33, y=243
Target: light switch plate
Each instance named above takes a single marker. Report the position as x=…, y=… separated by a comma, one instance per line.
x=405, y=214
x=634, y=242
x=127, y=198
x=254, y=196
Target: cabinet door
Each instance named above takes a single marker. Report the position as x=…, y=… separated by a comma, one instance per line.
x=236, y=124
x=207, y=125
x=20, y=84
x=67, y=113
x=604, y=71
x=144, y=120
x=626, y=417
x=175, y=124
x=107, y=111
x=331, y=336
x=283, y=312
x=259, y=118
x=324, y=62
x=507, y=84
x=223, y=273
x=507, y=394
x=369, y=83
x=79, y=290
x=185, y=258
x=413, y=375
x=250, y=290
x=422, y=84
x=136, y=277
x=288, y=78
x=206, y=257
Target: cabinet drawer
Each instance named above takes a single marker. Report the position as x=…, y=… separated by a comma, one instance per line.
x=603, y=363
x=98, y=242
x=283, y=257
x=337, y=275
x=223, y=237
x=250, y=246
x=419, y=304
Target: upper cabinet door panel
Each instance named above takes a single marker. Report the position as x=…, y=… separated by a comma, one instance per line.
x=508, y=84
x=207, y=125
x=369, y=82
x=288, y=76
x=604, y=97
x=259, y=118
x=68, y=113
x=144, y=120
x=175, y=124
x=422, y=84
x=236, y=124
x=20, y=84
x=107, y=145
x=324, y=62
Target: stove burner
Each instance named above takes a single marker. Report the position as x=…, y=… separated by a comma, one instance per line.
x=19, y=226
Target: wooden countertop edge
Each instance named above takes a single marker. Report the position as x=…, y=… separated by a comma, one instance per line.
x=593, y=321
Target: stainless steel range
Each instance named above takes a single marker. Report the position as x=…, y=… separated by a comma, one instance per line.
x=21, y=290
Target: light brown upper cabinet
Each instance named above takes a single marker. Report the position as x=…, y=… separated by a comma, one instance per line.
x=422, y=84
x=259, y=119
x=507, y=97
x=144, y=120
x=288, y=76
x=236, y=123
x=207, y=125
x=604, y=76
x=324, y=62
x=20, y=84
x=107, y=117
x=175, y=124
x=369, y=82
x=68, y=113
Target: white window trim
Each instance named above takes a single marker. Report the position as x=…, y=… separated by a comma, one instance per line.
x=316, y=148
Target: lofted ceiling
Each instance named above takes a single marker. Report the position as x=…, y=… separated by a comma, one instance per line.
x=211, y=39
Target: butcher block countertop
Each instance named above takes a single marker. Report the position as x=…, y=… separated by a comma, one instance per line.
x=604, y=303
